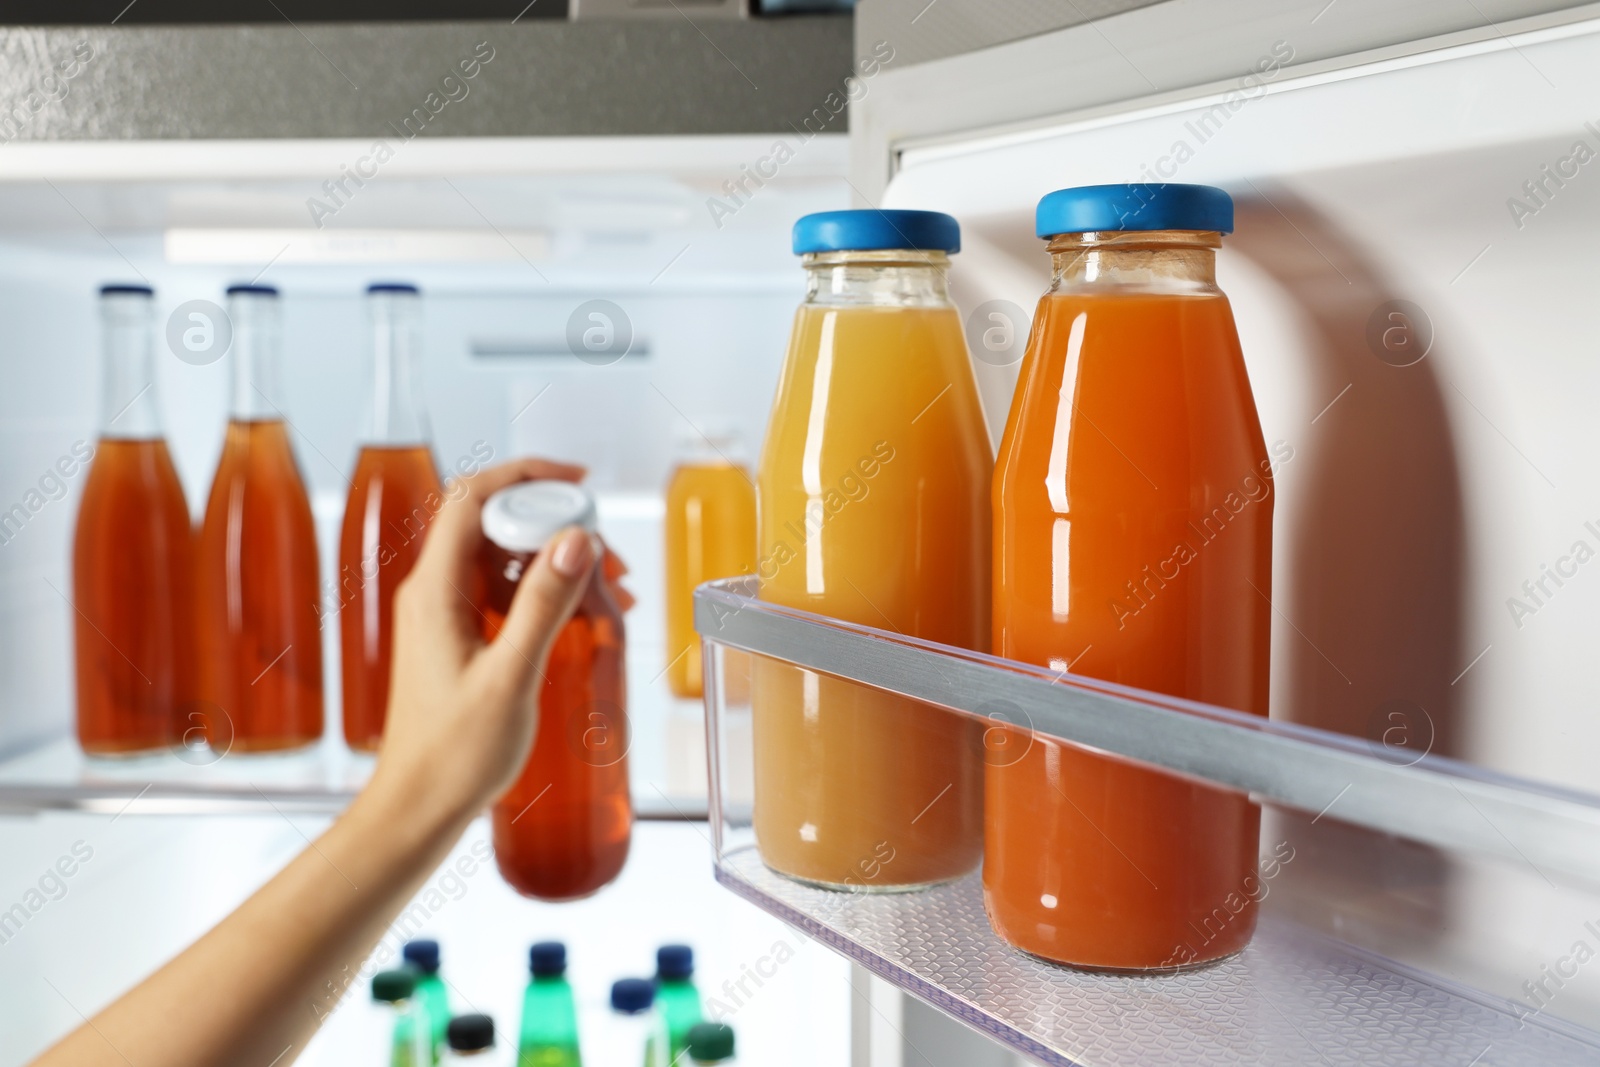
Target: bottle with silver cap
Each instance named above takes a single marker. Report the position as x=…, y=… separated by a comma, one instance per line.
x=562, y=831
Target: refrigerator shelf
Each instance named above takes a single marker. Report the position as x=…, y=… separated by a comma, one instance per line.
x=1292, y=996
x=1318, y=984
x=321, y=780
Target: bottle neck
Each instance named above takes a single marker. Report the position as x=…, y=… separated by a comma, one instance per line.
x=396, y=415
x=127, y=388
x=257, y=393
x=896, y=278
x=1156, y=261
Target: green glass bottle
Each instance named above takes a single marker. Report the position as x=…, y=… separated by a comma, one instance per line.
x=677, y=1000
x=422, y=957
x=410, y=1045
x=549, y=1035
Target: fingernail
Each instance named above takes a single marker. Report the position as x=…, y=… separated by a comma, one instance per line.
x=574, y=554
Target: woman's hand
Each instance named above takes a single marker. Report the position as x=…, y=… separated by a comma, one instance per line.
x=461, y=720
x=462, y=713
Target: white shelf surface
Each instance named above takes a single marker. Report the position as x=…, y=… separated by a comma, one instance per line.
x=1291, y=997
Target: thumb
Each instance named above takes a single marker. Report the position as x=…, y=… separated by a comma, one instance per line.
x=546, y=598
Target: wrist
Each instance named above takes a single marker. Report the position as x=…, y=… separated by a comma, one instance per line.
x=414, y=808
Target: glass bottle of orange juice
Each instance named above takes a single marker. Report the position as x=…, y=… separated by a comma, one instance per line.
x=1133, y=543
x=260, y=631
x=132, y=554
x=710, y=534
x=872, y=504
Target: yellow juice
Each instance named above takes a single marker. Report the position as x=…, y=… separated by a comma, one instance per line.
x=711, y=534
x=873, y=505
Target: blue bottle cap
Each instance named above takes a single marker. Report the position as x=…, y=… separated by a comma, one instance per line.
x=873, y=230
x=126, y=290
x=547, y=959
x=393, y=287
x=632, y=995
x=1168, y=206
x=675, y=962
x=423, y=955
x=253, y=290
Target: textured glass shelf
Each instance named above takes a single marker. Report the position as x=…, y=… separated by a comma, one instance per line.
x=668, y=778
x=1391, y=842
x=1291, y=998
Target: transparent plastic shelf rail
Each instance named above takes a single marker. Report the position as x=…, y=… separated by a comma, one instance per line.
x=1294, y=995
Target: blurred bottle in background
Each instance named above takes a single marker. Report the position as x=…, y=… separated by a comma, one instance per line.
x=711, y=1043
x=677, y=1000
x=132, y=553
x=394, y=493
x=260, y=640
x=633, y=1023
x=710, y=534
x=422, y=957
x=549, y=1036
x=411, y=1044
x=471, y=1041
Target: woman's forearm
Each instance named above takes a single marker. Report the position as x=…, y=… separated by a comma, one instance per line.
x=251, y=990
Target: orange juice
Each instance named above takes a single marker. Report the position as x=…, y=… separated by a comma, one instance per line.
x=394, y=495
x=711, y=534
x=260, y=634
x=132, y=582
x=1133, y=533
x=563, y=829
x=872, y=508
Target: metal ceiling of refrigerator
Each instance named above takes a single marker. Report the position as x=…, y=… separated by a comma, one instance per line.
x=521, y=78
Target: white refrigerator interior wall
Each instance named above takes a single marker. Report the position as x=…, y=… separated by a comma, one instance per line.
x=1433, y=526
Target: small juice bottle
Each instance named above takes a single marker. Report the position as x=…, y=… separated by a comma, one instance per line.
x=394, y=494
x=549, y=1035
x=132, y=555
x=633, y=1024
x=1133, y=543
x=562, y=830
x=260, y=631
x=677, y=1000
x=431, y=995
x=410, y=1044
x=711, y=534
x=873, y=496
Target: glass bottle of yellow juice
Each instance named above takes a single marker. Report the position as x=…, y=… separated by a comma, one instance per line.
x=710, y=534
x=873, y=507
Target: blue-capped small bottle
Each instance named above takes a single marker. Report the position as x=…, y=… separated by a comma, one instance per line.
x=873, y=507
x=422, y=958
x=549, y=1035
x=677, y=1000
x=634, y=1025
